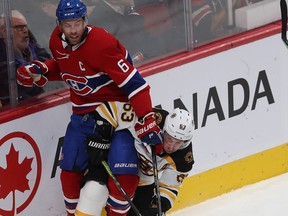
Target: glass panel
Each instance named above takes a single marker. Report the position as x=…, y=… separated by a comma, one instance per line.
x=40, y=16
x=210, y=21
x=216, y=19
x=148, y=27
x=4, y=88
x=164, y=22
x=32, y=22
x=8, y=87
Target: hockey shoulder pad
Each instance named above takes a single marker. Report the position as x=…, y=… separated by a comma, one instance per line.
x=183, y=159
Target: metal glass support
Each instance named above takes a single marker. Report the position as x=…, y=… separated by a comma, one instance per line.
x=13, y=89
x=188, y=24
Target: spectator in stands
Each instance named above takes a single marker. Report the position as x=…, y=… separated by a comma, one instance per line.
x=40, y=14
x=26, y=50
x=208, y=18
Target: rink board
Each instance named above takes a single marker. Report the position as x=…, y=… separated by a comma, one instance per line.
x=231, y=176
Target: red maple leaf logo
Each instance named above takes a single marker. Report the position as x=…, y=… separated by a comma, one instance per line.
x=14, y=176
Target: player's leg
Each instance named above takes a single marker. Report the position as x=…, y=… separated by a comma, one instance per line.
x=123, y=162
x=142, y=199
x=70, y=182
x=74, y=159
x=94, y=193
x=93, y=198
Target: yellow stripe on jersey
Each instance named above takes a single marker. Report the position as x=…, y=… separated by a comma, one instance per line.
x=169, y=194
x=104, y=112
x=114, y=109
x=170, y=161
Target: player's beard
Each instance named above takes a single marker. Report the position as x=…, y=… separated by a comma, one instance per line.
x=74, y=39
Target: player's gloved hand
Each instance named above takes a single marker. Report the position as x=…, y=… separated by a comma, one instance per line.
x=41, y=82
x=32, y=73
x=97, y=149
x=148, y=131
x=153, y=211
x=98, y=144
x=96, y=173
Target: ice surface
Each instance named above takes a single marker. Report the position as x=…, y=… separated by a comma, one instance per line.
x=265, y=198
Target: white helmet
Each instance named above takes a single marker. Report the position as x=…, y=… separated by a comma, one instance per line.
x=179, y=124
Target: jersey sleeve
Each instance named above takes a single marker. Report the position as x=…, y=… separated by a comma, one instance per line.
x=53, y=73
x=115, y=62
x=53, y=69
x=161, y=115
x=180, y=164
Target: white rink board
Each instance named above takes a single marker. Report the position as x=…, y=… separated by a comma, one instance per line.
x=45, y=128
x=215, y=144
x=252, y=131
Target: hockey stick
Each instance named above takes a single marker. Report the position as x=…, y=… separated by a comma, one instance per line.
x=156, y=180
x=283, y=7
x=117, y=183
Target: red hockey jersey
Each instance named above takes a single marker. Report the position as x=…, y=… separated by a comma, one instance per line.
x=97, y=70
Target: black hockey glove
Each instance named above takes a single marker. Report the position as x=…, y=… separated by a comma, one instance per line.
x=95, y=173
x=97, y=149
x=153, y=211
x=99, y=143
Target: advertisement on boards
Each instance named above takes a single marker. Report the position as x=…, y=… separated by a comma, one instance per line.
x=238, y=99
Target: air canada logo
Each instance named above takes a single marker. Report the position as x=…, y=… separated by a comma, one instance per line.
x=20, y=172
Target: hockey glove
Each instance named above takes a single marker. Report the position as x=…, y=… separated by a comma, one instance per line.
x=99, y=143
x=97, y=149
x=95, y=173
x=153, y=211
x=32, y=73
x=149, y=132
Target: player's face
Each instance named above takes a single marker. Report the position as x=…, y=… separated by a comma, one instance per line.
x=170, y=144
x=73, y=30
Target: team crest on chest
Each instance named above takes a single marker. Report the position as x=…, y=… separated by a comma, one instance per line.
x=84, y=85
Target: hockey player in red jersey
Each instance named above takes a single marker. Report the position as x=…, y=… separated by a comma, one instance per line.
x=97, y=69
